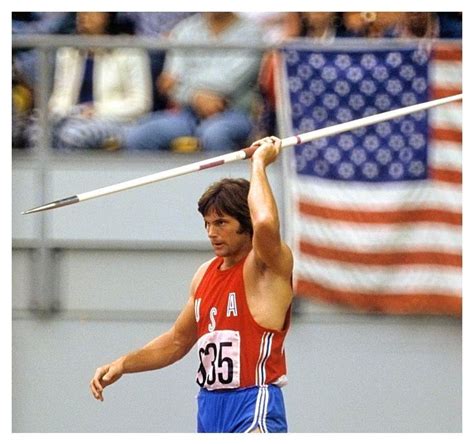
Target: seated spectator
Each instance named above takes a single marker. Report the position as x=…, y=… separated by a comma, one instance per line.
x=25, y=65
x=22, y=107
x=371, y=24
x=275, y=26
x=156, y=25
x=419, y=25
x=25, y=61
x=212, y=90
x=318, y=25
x=42, y=22
x=97, y=90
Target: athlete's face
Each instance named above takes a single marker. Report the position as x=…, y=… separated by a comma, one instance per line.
x=223, y=232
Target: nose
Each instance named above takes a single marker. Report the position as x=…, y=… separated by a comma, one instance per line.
x=211, y=231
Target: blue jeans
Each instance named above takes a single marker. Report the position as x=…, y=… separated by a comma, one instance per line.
x=226, y=131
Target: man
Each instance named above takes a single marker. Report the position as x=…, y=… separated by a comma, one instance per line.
x=211, y=92
x=237, y=312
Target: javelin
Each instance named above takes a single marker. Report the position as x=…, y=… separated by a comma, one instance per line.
x=245, y=153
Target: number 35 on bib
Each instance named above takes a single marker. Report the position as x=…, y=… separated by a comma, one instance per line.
x=219, y=357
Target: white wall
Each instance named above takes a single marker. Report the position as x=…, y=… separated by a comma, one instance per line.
x=346, y=374
x=123, y=265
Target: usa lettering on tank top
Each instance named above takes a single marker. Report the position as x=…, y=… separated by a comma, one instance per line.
x=233, y=350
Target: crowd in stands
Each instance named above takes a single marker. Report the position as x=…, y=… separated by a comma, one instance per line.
x=179, y=99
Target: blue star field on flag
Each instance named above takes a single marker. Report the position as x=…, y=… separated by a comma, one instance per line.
x=330, y=87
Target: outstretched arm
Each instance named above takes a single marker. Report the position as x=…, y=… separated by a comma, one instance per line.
x=267, y=243
x=162, y=351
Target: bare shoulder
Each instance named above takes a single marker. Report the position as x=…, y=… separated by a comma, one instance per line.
x=199, y=274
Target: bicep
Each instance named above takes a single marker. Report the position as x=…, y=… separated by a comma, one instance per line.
x=185, y=327
x=270, y=250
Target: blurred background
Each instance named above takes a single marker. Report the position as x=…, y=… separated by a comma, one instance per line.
x=102, y=97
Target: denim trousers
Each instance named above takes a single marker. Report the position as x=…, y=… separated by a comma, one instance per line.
x=225, y=131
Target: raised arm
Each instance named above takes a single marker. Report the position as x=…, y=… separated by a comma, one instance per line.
x=162, y=351
x=269, y=249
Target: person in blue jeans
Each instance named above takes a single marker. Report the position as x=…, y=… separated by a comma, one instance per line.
x=211, y=91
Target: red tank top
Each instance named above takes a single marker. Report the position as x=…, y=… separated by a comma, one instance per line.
x=234, y=351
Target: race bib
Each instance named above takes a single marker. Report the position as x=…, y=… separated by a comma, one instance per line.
x=219, y=360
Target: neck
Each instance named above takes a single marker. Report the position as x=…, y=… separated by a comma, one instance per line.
x=230, y=261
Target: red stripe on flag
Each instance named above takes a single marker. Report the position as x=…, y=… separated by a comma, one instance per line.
x=384, y=259
x=448, y=53
x=440, y=92
x=381, y=217
x=446, y=134
x=394, y=303
x=445, y=175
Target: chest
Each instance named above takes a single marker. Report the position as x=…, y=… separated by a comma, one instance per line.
x=221, y=303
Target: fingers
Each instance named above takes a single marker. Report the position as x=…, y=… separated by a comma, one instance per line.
x=275, y=141
x=96, y=386
x=268, y=149
x=271, y=142
x=104, y=376
x=96, y=389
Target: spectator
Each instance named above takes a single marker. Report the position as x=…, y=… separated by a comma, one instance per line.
x=320, y=25
x=372, y=24
x=22, y=107
x=275, y=26
x=25, y=65
x=212, y=90
x=157, y=25
x=419, y=25
x=27, y=23
x=42, y=22
x=97, y=90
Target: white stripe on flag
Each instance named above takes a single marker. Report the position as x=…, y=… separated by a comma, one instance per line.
x=380, y=237
x=447, y=117
x=445, y=155
x=400, y=279
x=379, y=196
x=447, y=73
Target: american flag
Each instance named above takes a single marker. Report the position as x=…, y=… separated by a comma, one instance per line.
x=378, y=211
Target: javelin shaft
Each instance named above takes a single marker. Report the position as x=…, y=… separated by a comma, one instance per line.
x=163, y=175
x=245, y=153
x=366, y=121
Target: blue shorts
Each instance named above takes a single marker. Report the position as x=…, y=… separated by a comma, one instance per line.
x=241, y=410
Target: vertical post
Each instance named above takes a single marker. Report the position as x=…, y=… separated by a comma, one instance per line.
x=44, y=297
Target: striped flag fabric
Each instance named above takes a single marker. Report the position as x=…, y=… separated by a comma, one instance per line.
x=377, y=212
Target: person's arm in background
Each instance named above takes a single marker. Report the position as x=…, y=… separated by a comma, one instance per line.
x=134, y=72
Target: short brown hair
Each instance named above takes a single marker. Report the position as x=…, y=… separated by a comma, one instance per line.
x=228, y=196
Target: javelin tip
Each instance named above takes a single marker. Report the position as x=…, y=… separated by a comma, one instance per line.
x=55, y=204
